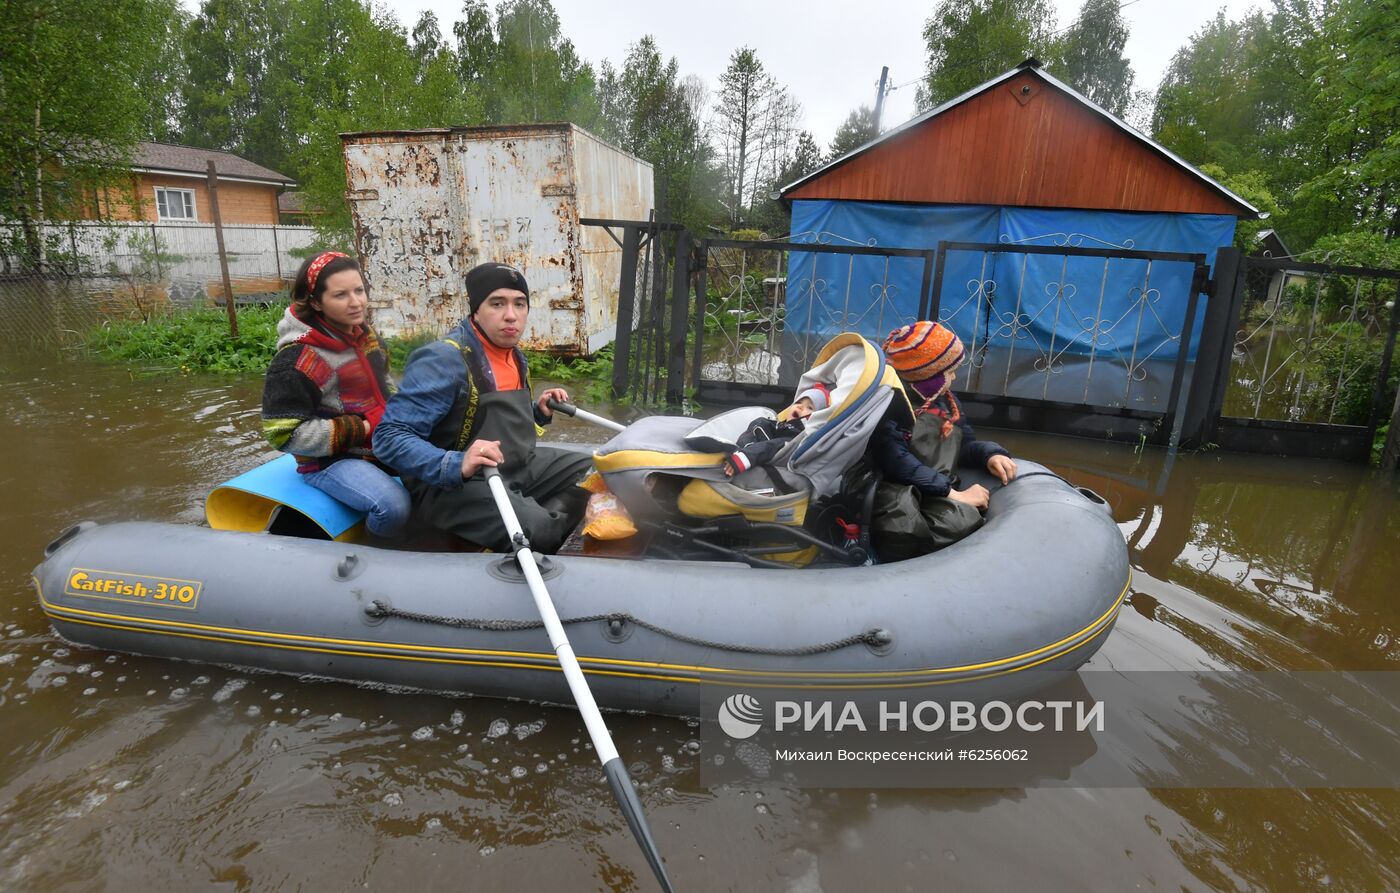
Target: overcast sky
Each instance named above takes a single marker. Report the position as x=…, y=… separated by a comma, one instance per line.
x=827, y=52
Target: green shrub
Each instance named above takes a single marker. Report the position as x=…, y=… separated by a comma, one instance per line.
x=594, y=372
x=1347, y=353
x=400, y=348
x=198, y=341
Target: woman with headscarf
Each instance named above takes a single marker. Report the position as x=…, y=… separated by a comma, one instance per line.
x=326, y=389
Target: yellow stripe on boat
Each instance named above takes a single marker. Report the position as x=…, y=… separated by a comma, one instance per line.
x=444, y=654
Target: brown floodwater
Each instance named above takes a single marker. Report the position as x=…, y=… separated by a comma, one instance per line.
x=128, y=773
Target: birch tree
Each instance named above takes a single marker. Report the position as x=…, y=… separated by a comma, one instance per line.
x=755, y=123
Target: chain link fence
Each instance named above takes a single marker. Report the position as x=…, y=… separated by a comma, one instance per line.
x=59, y=279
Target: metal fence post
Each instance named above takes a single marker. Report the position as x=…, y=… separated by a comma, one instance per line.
x=680, y=304
x=1390, y=453
x=1211, y=373
x=1170, y=434
x=626, y=303
x=73, y=244
x=155, y=249
x=702, y=300
x=926, y=299
x=654, y=342
x=934, y=300
x=276, y=253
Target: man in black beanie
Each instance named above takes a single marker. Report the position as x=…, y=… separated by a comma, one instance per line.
x=464, y=404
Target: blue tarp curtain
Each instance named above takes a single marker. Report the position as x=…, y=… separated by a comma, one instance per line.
x=873, y=295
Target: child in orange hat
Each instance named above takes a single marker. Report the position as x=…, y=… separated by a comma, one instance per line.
x=923, y=506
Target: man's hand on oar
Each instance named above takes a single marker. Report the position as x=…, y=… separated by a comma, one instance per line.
x=481, y=454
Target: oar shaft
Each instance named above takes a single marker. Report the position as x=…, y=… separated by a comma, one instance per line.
x=571, y=410
x=613, y=768
x=573, y=674
x=600, y=421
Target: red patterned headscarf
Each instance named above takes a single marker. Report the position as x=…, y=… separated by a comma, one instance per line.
x=316, y=267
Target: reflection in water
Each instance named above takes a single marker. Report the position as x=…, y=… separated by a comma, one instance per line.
x=124, y=772
x=1302, y=550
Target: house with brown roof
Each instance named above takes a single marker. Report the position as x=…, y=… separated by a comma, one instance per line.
x=295, y=210
x=169, y=184
x=1021, y=160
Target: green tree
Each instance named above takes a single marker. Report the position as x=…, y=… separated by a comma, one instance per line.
x=373, y=80
x=857, y=130
x=972, y=41
x=236, y=87
x=769, y=214
x=476, y=45
x=441, y=95
x=428, y=44
x=1240, y=94
x=1356, y=182
x=1253, y=187
x=612, y=114
x=535, y=73
x=1089, y=56
x=1204, y=109
x=1307, y=96
x=74, y=76
x=165, y=75
x=755, y=125
x=806, y=158
x=646, y=109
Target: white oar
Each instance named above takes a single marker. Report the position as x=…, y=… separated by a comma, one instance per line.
x=613, y=768
x=571, y=410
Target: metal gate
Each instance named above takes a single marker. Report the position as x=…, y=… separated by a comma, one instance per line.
x=1073, y=340
x=1103, y=342
x=747, y=345
x=1306, y=353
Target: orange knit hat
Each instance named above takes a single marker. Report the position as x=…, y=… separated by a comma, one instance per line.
x=923, y=351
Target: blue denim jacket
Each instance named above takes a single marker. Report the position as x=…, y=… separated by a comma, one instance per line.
x=431, y=379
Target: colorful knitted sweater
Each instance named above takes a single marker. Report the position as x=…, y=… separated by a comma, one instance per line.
x=319, y=387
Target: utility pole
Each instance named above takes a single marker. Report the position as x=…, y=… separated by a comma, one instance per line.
x=880, y=97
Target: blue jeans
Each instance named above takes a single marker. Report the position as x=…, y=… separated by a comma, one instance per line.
x=363, y=486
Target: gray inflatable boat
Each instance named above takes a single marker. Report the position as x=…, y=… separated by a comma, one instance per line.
x=1039, y=586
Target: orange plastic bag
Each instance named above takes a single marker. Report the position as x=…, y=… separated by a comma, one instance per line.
x=605, y=518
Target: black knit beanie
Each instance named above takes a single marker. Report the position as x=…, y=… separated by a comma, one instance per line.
x=485, y=278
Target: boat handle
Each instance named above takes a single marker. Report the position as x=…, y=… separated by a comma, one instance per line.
x=1091, y=496
x=67, y=535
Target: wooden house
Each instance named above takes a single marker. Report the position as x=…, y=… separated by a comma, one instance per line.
x=1023, y=159
x=169, y=184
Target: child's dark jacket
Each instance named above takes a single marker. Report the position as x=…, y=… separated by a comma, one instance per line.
x=889, y=446
x=762, y=440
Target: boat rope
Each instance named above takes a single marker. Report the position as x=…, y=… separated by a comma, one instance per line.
x=875, y=638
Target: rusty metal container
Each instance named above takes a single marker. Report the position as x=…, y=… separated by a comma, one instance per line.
x=428, y=205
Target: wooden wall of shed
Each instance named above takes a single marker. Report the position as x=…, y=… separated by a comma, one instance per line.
x=1004, y=147
x=238, y=202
